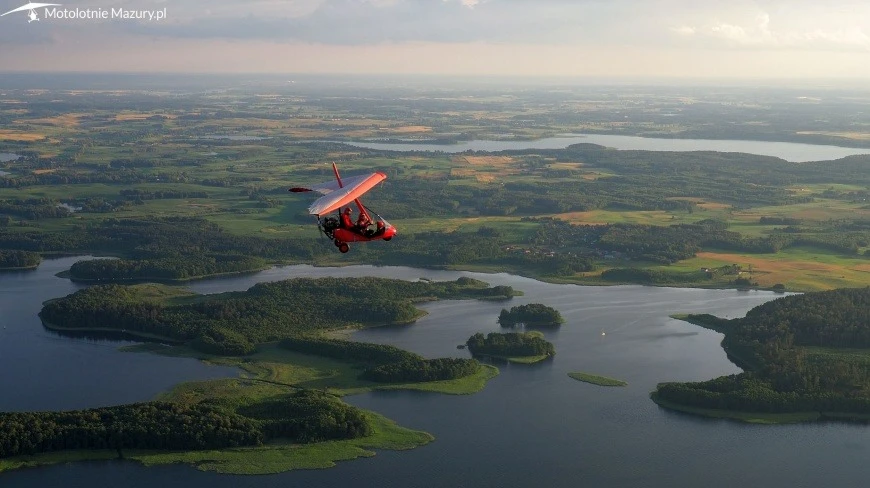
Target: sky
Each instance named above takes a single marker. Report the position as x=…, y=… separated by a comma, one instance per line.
x=732, y=39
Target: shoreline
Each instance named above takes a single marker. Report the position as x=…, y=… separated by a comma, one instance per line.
x=22, y=268
x=144, y=336
x=165, y=281
x=483, y=269
x=516, y=359
x=770, y=418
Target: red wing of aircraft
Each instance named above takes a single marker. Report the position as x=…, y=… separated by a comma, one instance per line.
x=337, y=196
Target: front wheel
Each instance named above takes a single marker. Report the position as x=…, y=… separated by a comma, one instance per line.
x=343, y=247
x=388, y=238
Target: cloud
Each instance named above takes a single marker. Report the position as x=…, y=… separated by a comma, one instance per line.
x=466, y=3
x=360, y=22
x=684, y=30
x=789, y=33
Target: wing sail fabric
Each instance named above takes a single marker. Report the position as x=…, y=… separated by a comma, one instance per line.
x=336, y=197
x=331, y=186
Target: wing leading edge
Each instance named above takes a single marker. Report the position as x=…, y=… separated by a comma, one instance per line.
x=335, y=197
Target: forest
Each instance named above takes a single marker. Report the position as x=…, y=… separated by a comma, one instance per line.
x=169, y=268
x=511, y=344
x=19, y=259
x=799, y=355
x=300, y=417
x=421, y=370
x=233, y=323
x=531, y=315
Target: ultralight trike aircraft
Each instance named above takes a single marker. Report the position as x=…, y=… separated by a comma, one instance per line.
x=341, y=193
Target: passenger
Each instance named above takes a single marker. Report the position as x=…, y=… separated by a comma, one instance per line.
x=362, y=224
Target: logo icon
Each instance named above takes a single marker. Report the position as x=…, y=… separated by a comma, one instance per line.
x=31, y=8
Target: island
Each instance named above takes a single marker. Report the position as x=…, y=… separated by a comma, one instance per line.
x=168, y=269
x=234, y=323
x=12, y=260
x=804, y=358
x=285, y=409
x=531, y=315
x=596, y=379
x=514, y=347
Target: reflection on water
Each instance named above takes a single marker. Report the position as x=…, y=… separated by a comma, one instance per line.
x=531, y=426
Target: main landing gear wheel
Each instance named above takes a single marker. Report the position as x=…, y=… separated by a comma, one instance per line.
x=336, y=242
x=343, y=247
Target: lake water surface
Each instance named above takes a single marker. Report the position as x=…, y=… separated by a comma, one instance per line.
x=40, y=370
x=789, y=151
x=4, y=157
x=531, y=425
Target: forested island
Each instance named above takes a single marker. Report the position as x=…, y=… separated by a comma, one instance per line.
x=233, y=323
x=19, y=260
x=531, y=315
x=165, y=269
x=516, y=347
x=300, y=417
x=293, y=372
x=805, y=357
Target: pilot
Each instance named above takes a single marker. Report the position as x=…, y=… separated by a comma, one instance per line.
x=346, y=221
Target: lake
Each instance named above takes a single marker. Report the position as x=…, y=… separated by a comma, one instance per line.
x=789, y=151
x=531, y=426
x=44, y=371
x=4, y=157
x=235, y=138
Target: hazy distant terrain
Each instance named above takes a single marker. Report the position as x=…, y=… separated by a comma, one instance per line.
x=220, y=152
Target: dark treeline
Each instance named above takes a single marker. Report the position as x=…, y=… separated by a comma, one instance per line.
x=303, y=417
x=660, y=277
x=308, y=416
x=232, y=323
x=384, y=363
x=160, y=426
x=669, y=244
x=163, y=269
x=512, y=344
x=782, y=375
x=19, y=259
x=155, y=238
x=485, y=246
x=34, y=208
x=419, y=370
x=355, y=352
x=140, y=194
x=533, y=314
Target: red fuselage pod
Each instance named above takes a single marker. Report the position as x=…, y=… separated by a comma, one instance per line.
x=345, y=235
